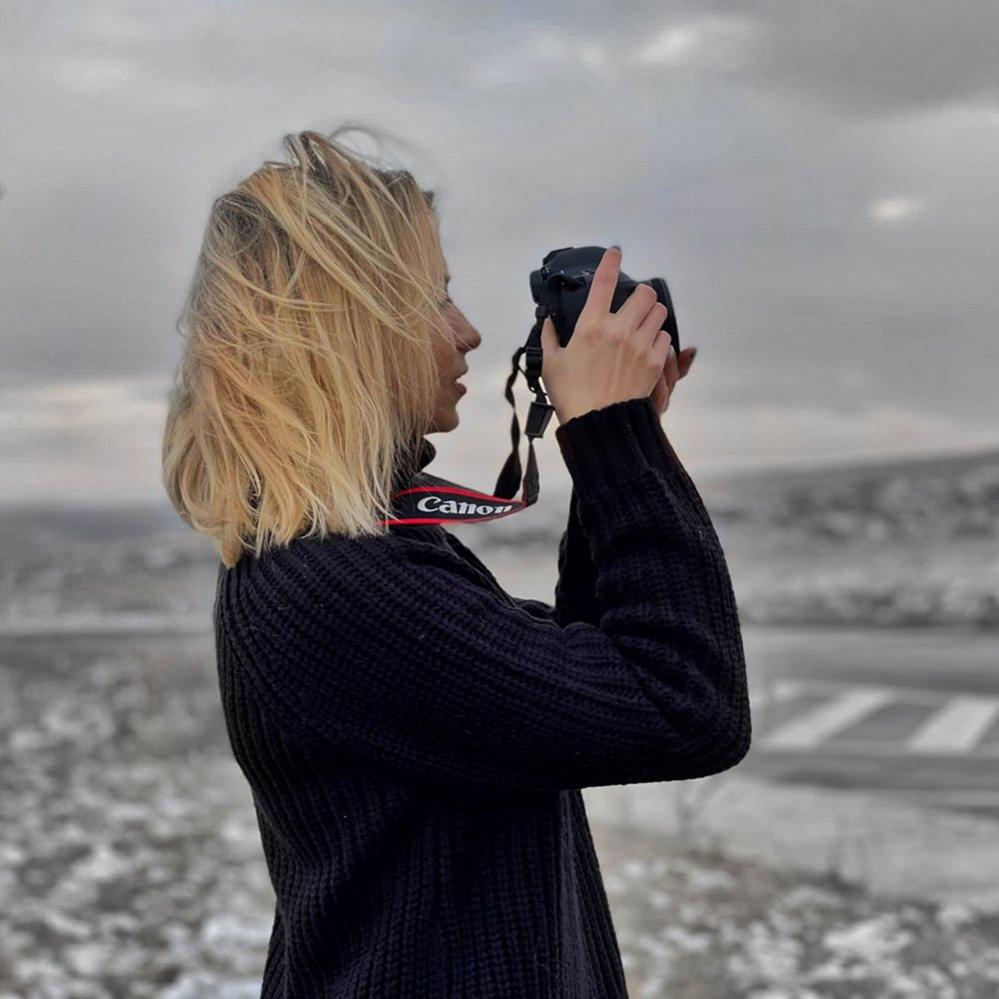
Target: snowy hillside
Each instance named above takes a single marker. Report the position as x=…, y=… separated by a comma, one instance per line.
x=912, y=542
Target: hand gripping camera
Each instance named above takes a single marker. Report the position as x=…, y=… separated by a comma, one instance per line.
x=560, y=288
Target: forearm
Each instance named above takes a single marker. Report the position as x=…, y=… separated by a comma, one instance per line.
x=575, y=599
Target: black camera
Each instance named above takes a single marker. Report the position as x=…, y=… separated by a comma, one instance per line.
x=559, y=288
x=563, y=282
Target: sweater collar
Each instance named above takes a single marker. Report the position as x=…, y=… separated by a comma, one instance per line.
x=414, y=456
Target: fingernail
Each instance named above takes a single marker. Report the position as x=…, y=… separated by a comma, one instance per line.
x=614, y=246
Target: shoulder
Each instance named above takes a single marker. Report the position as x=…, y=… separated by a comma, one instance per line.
x=266, y=602
x=356, y=596
x=312, y=573
x=285, y=569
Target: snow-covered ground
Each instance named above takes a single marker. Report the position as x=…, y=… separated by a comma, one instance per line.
x=908, y=543
x=130, y=863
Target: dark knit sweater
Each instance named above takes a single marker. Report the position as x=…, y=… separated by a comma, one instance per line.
x=415, y=738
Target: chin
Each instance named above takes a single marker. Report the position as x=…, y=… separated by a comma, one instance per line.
x=446, y=421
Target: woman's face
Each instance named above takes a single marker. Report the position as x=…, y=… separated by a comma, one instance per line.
x=452, y=364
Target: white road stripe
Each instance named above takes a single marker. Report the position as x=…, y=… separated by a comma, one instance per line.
x=901, y=694
x=825, y=720
x=956, y=727
x=874, y=747
x=773, y=692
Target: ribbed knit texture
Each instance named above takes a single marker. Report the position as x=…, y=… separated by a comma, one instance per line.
x=415, y=738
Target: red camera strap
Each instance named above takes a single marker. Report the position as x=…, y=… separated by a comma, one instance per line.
x=429, y=499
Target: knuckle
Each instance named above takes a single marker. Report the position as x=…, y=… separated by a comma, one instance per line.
x=656, y=315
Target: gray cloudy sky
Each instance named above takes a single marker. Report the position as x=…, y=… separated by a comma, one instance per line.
x=818, y=183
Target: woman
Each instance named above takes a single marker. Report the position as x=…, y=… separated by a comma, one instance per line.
x=415, y=738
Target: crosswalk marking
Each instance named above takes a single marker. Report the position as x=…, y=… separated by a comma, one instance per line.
x=956, y=727
x=773, y=692
x=876, y=748
x=825, y=720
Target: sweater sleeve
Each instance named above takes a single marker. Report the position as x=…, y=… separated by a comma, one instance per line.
x=575, y=588
x=392, y=651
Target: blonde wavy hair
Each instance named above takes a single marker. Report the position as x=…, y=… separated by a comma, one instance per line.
x=309, y=365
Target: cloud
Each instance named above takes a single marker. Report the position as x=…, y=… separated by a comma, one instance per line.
x=877, y=58
x=82, y=403
x=119, y=28
x=714, y=41
x=89, y=441
x=97, y=441
x=795, y=175
x=895, y=209
x=719, y=438
x=541, y=54
x=711, y=41
x=593, y=56
x=93, y=76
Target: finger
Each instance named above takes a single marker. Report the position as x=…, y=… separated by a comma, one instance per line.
x=685, y=360
x=651, y=325
x=601, y=293
x=660, y=348
x=638, y=304
x=671, y=369
x=549, y=338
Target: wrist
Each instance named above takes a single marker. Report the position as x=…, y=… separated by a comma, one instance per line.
x=609, y=442
x=581, y=409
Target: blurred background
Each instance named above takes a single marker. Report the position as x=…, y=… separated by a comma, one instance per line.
x=819, y=185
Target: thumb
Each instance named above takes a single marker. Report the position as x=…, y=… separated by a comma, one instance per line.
x=549, y=337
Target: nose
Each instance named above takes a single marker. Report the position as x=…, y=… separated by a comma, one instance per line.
x=470, y=338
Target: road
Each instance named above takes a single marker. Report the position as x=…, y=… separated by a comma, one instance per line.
x=913, y=712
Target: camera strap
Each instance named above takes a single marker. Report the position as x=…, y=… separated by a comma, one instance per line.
x=429, y=499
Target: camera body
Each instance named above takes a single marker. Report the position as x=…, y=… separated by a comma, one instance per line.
x=559, y=288
x=563, y=281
